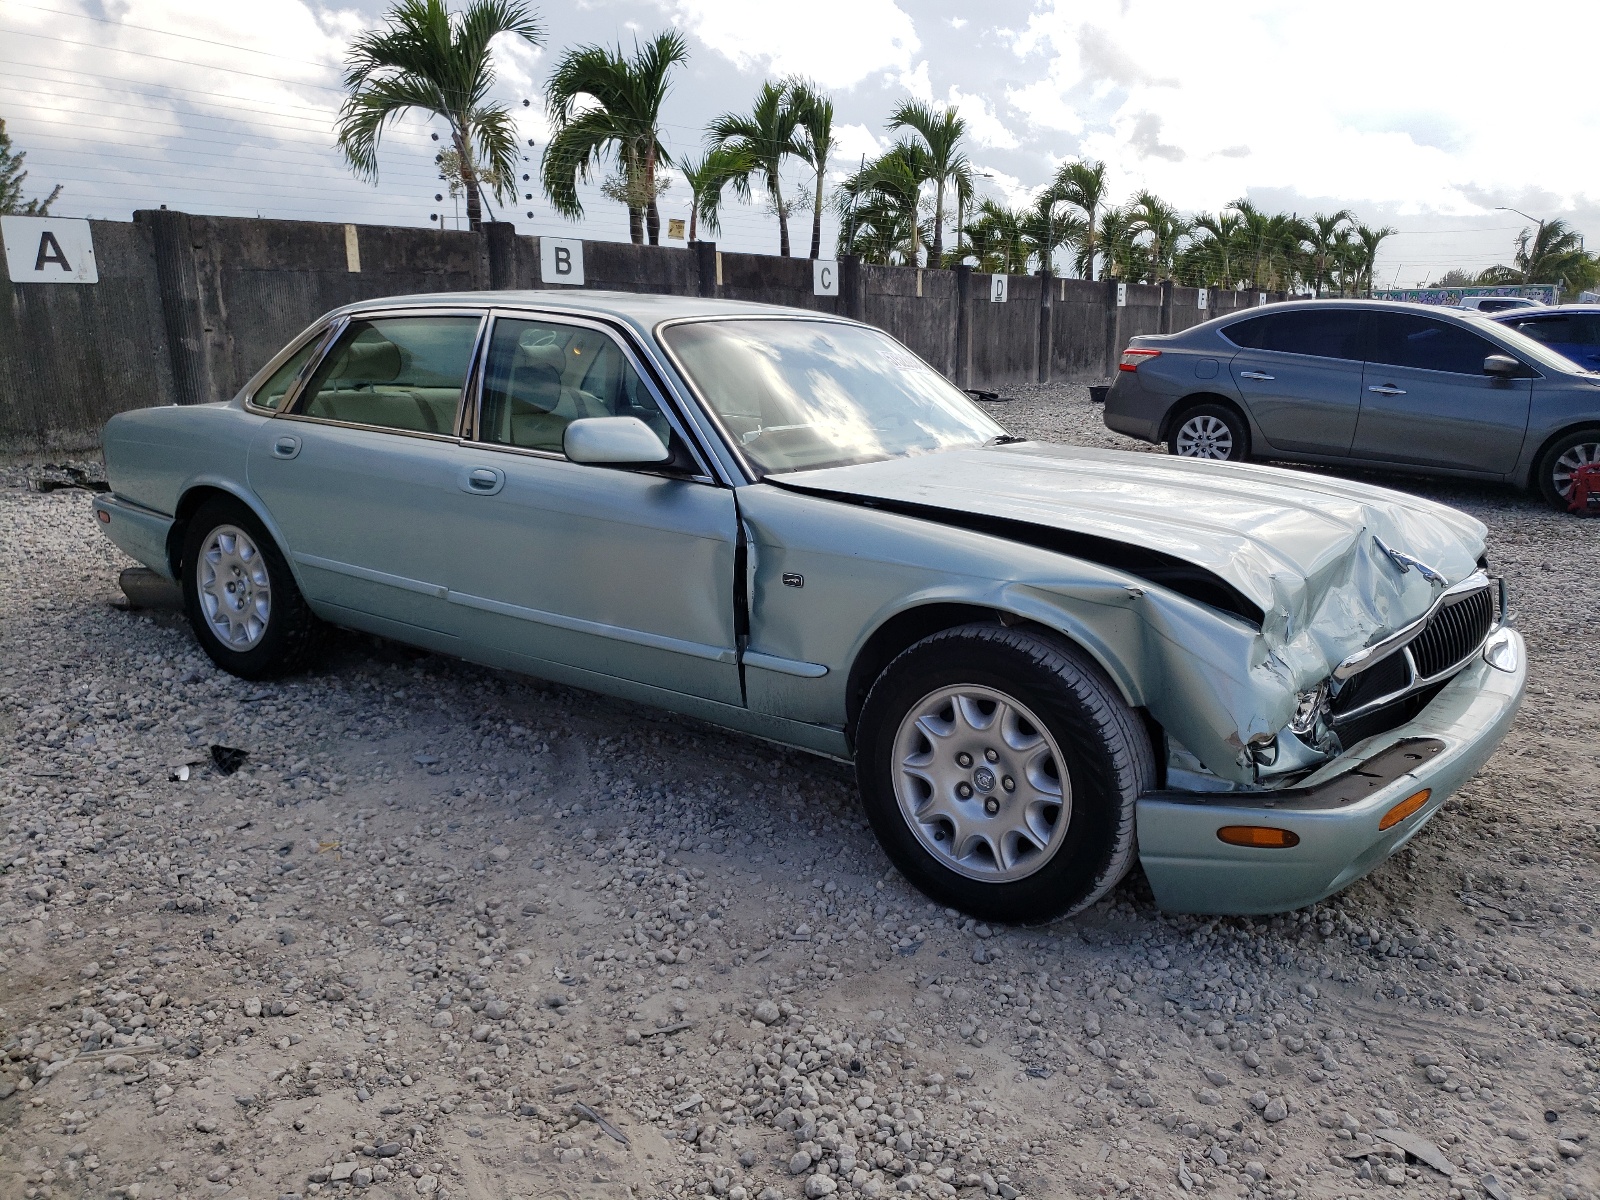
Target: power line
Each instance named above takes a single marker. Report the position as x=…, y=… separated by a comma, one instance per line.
x=168, y=58
x=188, y=37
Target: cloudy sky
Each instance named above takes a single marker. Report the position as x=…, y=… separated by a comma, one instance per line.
x=1412, y=114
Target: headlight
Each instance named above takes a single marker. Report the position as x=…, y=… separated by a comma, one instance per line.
x=1310, y=708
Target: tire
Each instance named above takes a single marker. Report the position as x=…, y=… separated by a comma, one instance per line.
x=1551, y=475
x=1061, y=712
x=1211, y=431
x=264, y=630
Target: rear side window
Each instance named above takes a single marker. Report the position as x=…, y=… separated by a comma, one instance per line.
x=1405, y=340
x=1322, y=333
x=401, y=373
x=271, y=393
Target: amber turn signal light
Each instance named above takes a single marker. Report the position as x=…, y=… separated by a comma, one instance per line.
x=1405, y=808
x=1263, y=836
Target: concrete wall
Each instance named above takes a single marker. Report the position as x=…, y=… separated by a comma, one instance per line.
x=188, y=308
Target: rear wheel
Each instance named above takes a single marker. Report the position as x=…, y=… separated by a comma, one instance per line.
x=243, y=605
x=1553, y=473
x=1211, y=431
x=999, y=769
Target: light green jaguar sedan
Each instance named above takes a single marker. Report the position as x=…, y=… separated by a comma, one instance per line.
x=1044, y=661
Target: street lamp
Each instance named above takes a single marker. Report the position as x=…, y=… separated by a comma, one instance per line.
x=1539, y=237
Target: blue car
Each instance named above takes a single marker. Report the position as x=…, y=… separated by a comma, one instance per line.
x=1571, y=330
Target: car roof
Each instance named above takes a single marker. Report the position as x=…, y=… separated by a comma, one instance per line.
x=1364, y=305
x=643, y=310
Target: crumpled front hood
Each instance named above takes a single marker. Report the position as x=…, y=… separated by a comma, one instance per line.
x=1299, y=546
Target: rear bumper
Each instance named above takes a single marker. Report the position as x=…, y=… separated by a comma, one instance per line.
x=1335, y=813
x=139, y=531
x=1132, y=410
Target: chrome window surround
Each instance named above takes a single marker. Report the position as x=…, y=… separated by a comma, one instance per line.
x=291, y=399
x=318, y=333
x=1400, y=640
x=752, y=472
x=473, y=410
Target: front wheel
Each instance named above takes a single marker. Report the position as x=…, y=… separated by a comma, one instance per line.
x=1569, y=453
x=999, y=769
x=243, y=605
x=1211, y=431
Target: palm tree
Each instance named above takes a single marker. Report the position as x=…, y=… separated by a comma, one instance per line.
x=1148, y=213
x=1047, y=229
x=816, y=141
x=765, y=137
x=1224, y=230
x=1124, y=257
x=621, y=120
x=888, y=189
x=947, y=166
x=999, y=236
x=1323, y=230
x=1368, y=241
x=427, y=59
x=1553, y=254
x=707, y=177
x=1083, y=184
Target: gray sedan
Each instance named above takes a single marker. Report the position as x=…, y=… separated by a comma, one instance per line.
x=1364, y=383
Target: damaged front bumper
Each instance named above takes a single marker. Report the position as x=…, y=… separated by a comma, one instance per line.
x=1330, y=822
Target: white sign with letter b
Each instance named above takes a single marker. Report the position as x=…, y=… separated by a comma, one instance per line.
x=49, y=250
x=561, y=261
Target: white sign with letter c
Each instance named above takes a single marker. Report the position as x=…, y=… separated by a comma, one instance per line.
x=824, y=277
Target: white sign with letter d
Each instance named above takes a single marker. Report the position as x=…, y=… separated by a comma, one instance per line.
x=49, y=250
x=561, y=261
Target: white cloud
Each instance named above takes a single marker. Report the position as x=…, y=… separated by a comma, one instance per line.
x=836, y=42
x=854, y=142
x=916, y=81
x=983, y=126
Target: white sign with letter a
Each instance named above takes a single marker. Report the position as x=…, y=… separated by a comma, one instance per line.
x=824, y=277
x=49, y=250
x=561, y=261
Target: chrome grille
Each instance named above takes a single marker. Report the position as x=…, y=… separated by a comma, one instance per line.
x=1454, y=633
x=1383, y=678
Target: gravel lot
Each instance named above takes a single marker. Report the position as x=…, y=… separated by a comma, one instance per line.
x=453, y=933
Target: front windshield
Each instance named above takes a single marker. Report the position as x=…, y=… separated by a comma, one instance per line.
x=798, y=395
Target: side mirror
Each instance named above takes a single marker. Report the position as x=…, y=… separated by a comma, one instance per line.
x=1502, y=365
x=613, y=442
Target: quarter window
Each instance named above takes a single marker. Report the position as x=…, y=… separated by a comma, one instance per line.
x=1405, y=340
x=271, y=393
x=1319, y=332
x=542, y=376
x=396, y=373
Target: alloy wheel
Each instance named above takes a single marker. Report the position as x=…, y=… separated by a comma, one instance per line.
x=981, y=783
x=1205, y=436
x=1582, y=454
x=234, y=588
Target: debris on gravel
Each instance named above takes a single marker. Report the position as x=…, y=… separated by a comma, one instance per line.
x=446, y=932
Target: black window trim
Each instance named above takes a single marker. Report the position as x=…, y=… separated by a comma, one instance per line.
x=292, y=401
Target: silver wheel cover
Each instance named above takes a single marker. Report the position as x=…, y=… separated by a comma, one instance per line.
x=980, y=783
x=1205, y=436
x=234, y=589
x=1574, y=457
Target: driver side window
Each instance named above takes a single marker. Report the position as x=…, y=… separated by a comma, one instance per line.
x=542, y=376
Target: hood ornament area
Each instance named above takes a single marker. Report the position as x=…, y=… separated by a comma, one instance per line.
x=1406, y=562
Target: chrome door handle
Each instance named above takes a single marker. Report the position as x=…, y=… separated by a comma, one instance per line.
x=1254, y=375
x=286, y=447
x=1387, y=390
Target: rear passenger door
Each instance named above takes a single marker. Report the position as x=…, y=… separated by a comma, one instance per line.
x=356, y=475
x=1426, y=399
x=1574, y=335
x=1299, y=373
